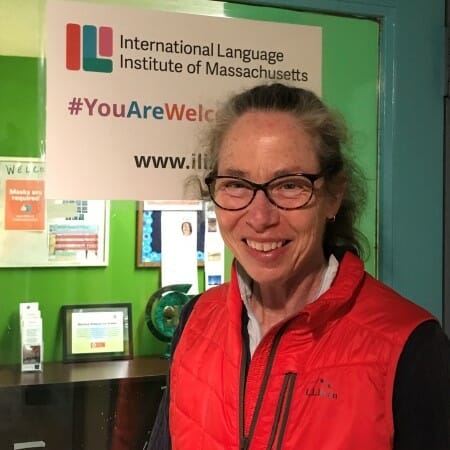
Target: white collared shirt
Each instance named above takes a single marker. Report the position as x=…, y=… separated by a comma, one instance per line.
x=245, y=288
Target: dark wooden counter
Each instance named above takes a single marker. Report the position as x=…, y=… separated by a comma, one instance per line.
x=57, y=372
x=107, y=405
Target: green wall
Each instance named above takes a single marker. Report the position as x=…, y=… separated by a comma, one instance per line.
x=350, y=83
x=22, y=106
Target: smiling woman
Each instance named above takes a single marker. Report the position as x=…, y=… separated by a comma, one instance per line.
x=301, y=334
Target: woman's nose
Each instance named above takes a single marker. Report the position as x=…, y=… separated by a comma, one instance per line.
x=261, y=213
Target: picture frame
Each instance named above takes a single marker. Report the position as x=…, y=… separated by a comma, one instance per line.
x=148, y=230
x=97, y=332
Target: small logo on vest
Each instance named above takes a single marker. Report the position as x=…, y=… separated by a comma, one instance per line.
x=321, y=388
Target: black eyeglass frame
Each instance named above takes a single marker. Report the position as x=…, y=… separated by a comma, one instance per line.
x=312, y=177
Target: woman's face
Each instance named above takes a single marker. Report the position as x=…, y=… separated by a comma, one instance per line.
x=274, y=245
x=186, y=228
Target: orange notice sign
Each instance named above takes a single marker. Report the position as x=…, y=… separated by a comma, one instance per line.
x=24, y=205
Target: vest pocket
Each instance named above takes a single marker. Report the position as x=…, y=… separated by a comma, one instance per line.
x=282, y=412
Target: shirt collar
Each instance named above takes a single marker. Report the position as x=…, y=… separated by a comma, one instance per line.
x=246, y=287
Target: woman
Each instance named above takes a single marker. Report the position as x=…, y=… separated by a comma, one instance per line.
x=302, y=349
x=186, y=228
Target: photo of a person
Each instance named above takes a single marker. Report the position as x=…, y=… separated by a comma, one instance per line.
x=186, y=228
x=212, y=224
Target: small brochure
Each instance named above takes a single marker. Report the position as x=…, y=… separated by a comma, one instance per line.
x=31, y=337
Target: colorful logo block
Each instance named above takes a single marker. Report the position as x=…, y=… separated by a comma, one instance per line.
x=92, y=51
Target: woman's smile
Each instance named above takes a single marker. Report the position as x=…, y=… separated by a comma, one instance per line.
x=264, y=246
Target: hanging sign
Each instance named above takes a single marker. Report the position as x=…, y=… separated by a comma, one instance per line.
x=128, y=90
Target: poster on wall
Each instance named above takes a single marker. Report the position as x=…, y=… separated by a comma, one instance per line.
x=36, y=231
x=149, y=229
x=129, y=90
x=179, y=249
x=24, y=204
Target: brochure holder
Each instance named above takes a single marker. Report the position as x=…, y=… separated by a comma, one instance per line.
x=31, y=337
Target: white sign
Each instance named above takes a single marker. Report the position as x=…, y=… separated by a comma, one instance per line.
x=129, y=88
x=97, y=332
x=179, y=249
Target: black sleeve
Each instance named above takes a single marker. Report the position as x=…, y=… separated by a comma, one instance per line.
x=160, y=434
x=421, y=399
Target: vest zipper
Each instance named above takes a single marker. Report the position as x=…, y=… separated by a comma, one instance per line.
x=245, y=440
x=282, y=411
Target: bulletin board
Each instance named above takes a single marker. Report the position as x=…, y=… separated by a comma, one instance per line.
x=36, y=232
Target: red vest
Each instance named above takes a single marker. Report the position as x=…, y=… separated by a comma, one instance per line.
x=322, y=379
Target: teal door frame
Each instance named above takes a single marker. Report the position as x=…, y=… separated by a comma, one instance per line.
x=411, y=139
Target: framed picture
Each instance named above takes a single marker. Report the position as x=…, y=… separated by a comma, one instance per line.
x=97, y=332
x=148, y=233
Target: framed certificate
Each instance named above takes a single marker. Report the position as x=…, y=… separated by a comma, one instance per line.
x=97, y=332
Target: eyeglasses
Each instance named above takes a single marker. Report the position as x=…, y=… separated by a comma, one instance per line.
x=292, y=191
